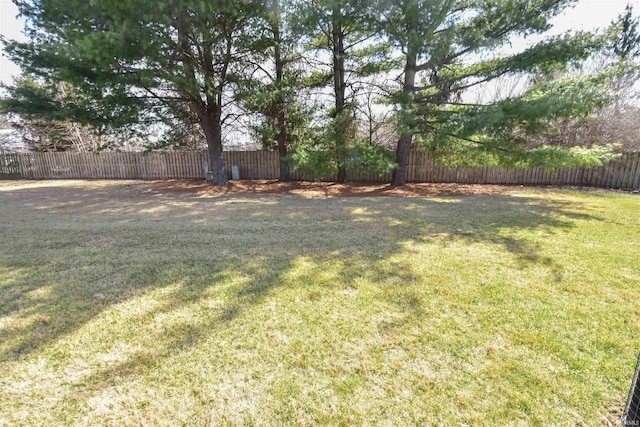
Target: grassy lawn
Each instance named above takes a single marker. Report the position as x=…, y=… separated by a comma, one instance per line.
x=121, y=305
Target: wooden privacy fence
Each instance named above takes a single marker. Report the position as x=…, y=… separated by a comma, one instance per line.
x=623, y=172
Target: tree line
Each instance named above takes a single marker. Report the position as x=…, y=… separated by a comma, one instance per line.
x=318, y=80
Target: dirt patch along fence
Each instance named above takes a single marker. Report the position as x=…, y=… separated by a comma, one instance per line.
x=622, y=173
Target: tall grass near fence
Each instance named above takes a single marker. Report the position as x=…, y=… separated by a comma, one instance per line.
x=623, y=172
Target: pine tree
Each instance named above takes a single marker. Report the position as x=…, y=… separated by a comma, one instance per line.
x=132, y=61
x=451, y=46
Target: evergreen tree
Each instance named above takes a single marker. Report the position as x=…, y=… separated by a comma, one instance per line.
x=346, y=31
x=623, y=49
x=274, y=82
x=132, y=61
x=451, y=46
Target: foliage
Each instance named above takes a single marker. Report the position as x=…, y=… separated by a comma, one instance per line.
x=298, y=119
x=623, y=49
x=315, y=160
x=44, y=123
x=346, y=32
x=571, y=97
x=371, y=158
x=317, y=153
x=614, y=118
x=190, y=63
x=624, y=36
x=312, y=154
x=133, y=61
x=449, y=48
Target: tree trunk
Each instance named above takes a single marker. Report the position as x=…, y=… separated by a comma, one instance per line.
x=282, y=148
x=211, y=125
x=281, y=117
x=402, y=159
x=285, y=173
x=404, y=143
x=339, y=89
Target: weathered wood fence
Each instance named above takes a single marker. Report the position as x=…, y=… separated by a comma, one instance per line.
x=623, y=172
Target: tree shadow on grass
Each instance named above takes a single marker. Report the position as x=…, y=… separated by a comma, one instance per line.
x=140, y=260
x=166, y=231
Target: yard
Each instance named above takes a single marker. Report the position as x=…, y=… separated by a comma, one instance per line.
x=137, y=303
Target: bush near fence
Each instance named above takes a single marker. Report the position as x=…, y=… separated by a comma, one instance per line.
x=621, y=173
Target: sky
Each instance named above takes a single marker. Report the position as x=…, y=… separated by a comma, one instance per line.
x=585, y=15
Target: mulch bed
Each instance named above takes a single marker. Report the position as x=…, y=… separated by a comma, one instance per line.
x=323, y=189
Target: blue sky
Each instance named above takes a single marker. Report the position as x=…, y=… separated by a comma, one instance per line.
x=586, y=15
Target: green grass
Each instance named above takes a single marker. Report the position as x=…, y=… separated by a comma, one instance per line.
x=120, y=305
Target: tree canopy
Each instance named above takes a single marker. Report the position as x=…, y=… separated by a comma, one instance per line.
x=134, y=61
x=186, y=61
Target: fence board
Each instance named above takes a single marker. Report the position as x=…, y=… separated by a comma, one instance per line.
x=624, y=179
x=611, y=173
x=619, y=172
x=615, y=182
x=627, y=173
x=632, y=171
x=624, y=175
x=634, y=180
